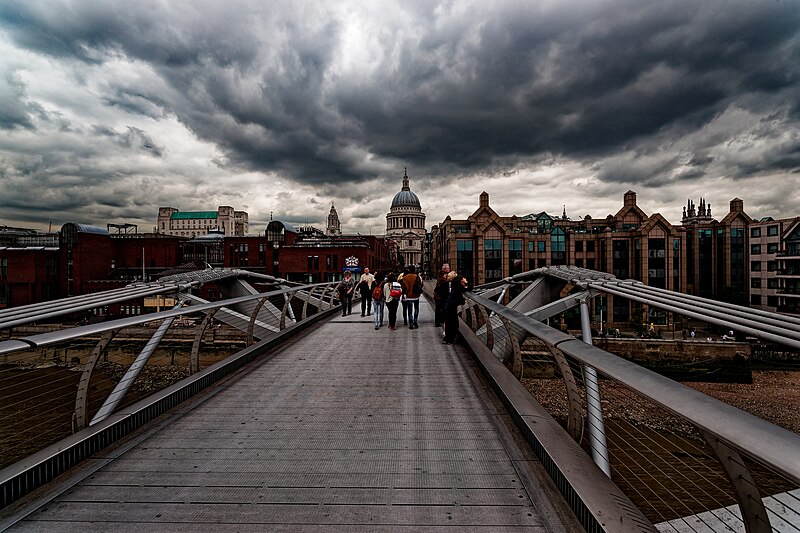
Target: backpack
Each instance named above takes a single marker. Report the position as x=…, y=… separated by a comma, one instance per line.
x=395, y=291
x=377, y=293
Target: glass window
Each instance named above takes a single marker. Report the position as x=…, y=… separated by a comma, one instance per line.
x=558, y=246
x=590, y=246
x=578, y=246
x=772, y=266
x=514, y=256
x=755, y=266
x=755, y=232
x=541, y=246
x=755, y=249
x=755, y=283
x=772, y=231
x=464, y=258
x=493, y=259
x=772, y=248
x=755, y=299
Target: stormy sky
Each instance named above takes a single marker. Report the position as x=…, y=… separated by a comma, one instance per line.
x=109, y=110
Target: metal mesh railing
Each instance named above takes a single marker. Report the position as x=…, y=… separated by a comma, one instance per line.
x=689, y=462
x=56, y=381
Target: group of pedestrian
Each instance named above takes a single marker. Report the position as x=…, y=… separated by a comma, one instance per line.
x=400, y=289
x=405, y=289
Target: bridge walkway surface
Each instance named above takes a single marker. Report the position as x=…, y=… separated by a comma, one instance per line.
x=342, y=427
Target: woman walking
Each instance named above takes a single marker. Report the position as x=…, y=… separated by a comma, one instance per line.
x=391, y=294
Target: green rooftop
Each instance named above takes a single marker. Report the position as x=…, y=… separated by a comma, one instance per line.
x=187, y=215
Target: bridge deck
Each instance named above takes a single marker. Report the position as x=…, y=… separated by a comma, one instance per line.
x=343, y=427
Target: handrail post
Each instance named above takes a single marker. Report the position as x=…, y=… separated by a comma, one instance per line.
x=597, y=429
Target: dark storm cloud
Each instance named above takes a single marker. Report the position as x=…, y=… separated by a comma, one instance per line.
x=642, y=91
x=14, y=111
x=133, y=138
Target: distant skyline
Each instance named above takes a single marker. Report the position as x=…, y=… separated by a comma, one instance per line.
x=109, y=110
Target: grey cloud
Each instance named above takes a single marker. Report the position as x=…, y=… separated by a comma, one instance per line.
x=575, y=82
x=633, y=89
x=15, y=111
x=133, y=138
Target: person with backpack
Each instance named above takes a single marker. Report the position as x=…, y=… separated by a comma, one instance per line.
x=365, y=288
x=392, y=291
x=412, y=290
x=378, y=302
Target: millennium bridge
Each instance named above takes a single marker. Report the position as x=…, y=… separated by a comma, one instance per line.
x=269, y=410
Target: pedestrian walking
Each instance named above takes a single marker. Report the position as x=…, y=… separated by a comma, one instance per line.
x=412, y=290
x=440, y=292
x=378, y=303
x=392, y=291
x=365, y=288
x=458, y=286
x=345, y=290
x=403, y=299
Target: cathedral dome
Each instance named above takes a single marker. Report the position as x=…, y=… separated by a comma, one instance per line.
x=406, y=198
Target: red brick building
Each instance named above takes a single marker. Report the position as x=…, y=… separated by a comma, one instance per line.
x=28, y=275
x=311, y=256
x=86, y=255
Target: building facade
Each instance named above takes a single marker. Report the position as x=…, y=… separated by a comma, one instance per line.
x=224, y=220
x=311, y=257
x=702, y=256
x=405, y=225
x=788, y=273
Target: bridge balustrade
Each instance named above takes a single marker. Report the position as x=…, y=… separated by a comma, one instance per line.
x=688, y=461
x=96, y=383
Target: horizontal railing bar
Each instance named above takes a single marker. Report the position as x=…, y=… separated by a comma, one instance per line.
x=744, y=311
x=45, y=310
x=45, y=339
x=766, y=443
x=779, y=335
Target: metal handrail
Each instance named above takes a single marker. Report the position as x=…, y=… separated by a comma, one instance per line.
x=45, y=339
x=766, y=443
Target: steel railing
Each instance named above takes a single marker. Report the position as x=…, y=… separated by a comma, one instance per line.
x=688, y=461
x=79, y=380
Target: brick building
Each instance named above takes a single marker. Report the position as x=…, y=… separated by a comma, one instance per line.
x=311, y=256
x=702, y=256
x=28, y=275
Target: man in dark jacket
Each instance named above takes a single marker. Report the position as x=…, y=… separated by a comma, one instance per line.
x=440, y=292
x=458, y=286
x=365, y=286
